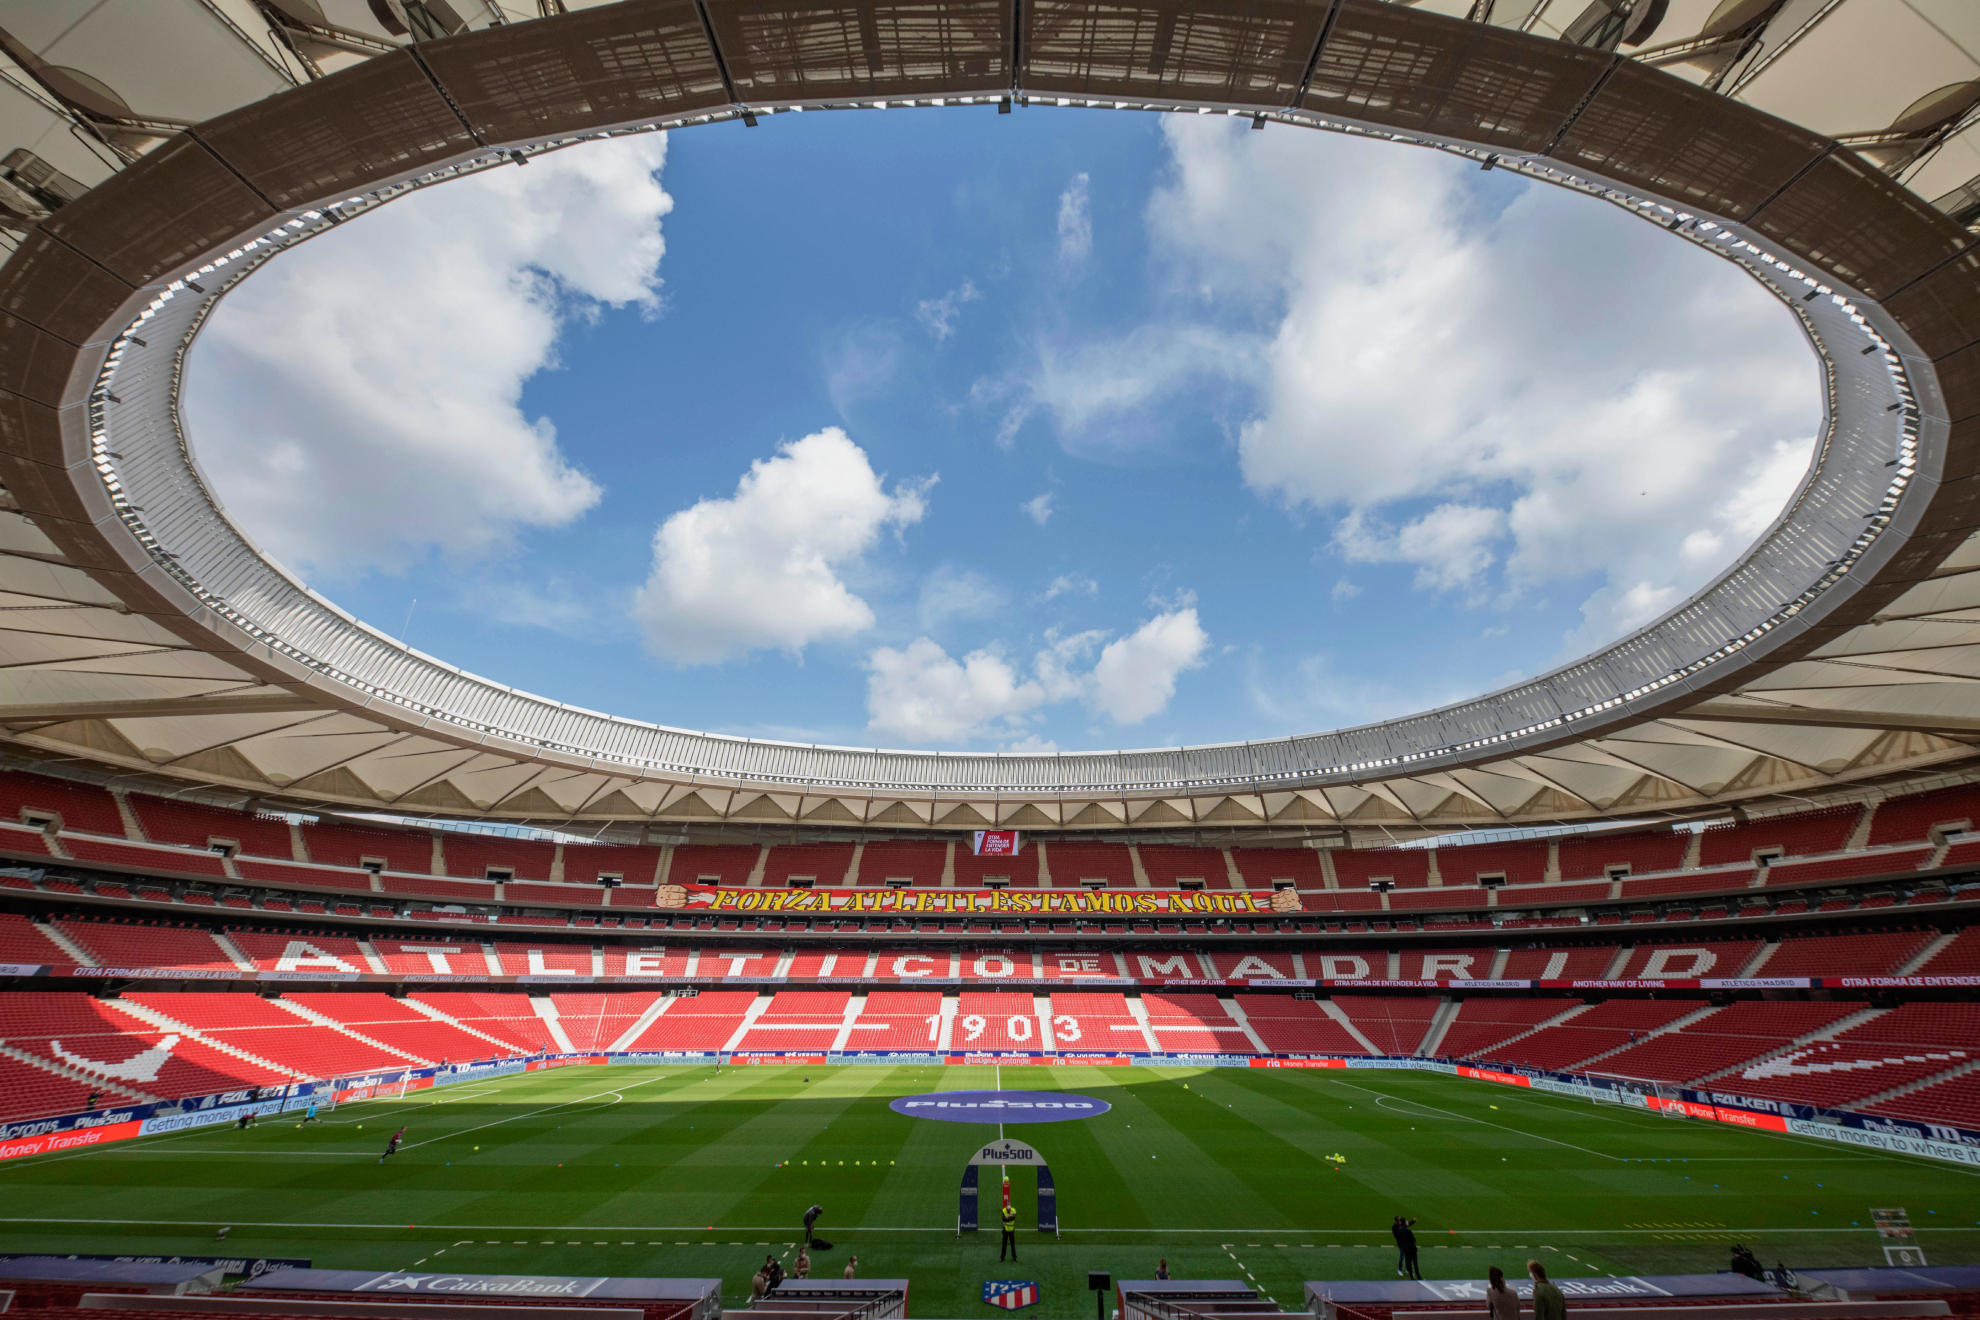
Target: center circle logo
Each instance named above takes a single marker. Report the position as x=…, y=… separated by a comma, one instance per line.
x=999, y=1106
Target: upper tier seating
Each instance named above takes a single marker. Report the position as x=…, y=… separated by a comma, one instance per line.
x=1167, y=867
x=1692, y=882
x=824, y=863
x=432, y=956
x=1250, y=964
x=1722, y=1039
x=1912, y=819
x=1058, y=965
x=898, y=1020
x=1562, y=895
x=447, y=891
x=1157, y=964
x=1393, y=1024
x=918, y=861
x=1848, y=868
x=270, y=1032
x=21, y=941
x=810, y=964
x=1021, y=870
x=22, y=840
x=1845, y=955
x=509, y=1015
x=1074, y=863
x=1260, y=867
x=1604, y=1027
x=1095, y=1020
x=1587, y=857
x=1481, y=1024
x=996, y=1020
x=1355, y=867
x=406, y=1029
x=1447, y=964
x=1668, y=960
x=300, y=953
x=544, y=959
x=1520, y=863
x=722, y=864
x=123, y=944
x=1296, y=1026
x=698, y=1022
x=336, y=844
x=473, y=856
x=518, y=891
x=82, y=807
x=290, y=874
x=645, y=960
x=1194, y=1024
x=143, y=858
x=736, y=961
x=1446, y=896
x=1800, y=835
x=597, y=1021
x=1560, y=964
x=195, y=825
x=585, y=862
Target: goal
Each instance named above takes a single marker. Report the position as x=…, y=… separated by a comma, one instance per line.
x=1664, y=1098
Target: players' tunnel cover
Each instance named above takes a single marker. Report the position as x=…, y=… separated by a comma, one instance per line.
x=1000, y=1106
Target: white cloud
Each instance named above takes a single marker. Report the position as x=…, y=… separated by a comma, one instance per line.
x=1345, y=590
x=939, y=314
x=760, y=570
x=358, y=403
x=1136, y=675
x=958, y=593
x=1038, y=508
x=1075, y=224
x=920, y=695
x=1501, y=389
x=860, y=363
x=1071, y=583
x=1451, y=545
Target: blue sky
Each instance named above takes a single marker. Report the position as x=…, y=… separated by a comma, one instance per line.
x=1057, y=429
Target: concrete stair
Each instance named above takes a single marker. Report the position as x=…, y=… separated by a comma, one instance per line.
x=67, y=945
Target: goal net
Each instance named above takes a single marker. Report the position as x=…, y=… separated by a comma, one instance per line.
x=1665, y=1098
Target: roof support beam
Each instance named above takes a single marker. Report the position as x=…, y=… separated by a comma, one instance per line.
x=270, y=703
x=1749, y=712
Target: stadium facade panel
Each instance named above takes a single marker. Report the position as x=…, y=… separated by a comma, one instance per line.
x=1741, y=691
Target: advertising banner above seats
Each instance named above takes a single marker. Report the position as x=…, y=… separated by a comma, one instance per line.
x=1042, y=902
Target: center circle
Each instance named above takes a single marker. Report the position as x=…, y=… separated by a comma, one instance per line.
x=999, y=1106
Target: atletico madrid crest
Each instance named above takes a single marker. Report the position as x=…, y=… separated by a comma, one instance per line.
x=1011, y=1293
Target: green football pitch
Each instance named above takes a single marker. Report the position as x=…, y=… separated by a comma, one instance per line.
x=679, y=1172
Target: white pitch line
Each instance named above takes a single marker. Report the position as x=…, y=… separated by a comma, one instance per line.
x=1499, y=1230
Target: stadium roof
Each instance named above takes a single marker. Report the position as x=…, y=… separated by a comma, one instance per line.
x=147, y=635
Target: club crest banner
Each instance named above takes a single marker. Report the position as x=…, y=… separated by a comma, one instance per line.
x=1042, y=902
x=1011, y=1293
